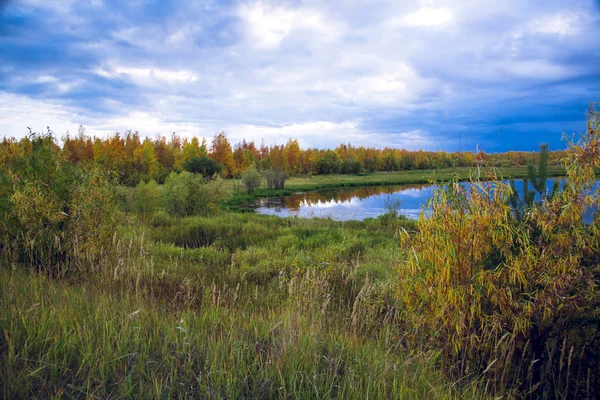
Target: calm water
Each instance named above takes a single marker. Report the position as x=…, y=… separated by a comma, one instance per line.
x=353, y=203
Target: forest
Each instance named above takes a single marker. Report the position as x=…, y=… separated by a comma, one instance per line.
x=135, y=159
x=162, y=291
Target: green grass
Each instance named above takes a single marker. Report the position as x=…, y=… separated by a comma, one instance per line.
x=82, y=342
x=228, y=306
x=316, y=182
x=233, y=305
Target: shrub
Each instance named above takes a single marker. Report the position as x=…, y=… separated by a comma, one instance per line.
x=514, y=299
x=251, y=179
x=538, y=177
x=188, y=194
x=56, y=217
x=202, y=165
x=147, y=198
x=329, y=165
x=275, y=178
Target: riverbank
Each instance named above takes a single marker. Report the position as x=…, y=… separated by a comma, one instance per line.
x=318, y=182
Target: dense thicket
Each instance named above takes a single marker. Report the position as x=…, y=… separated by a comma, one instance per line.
x=54, y=216
x=511, y=292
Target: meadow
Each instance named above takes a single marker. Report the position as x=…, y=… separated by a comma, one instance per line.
x=227, y=306
x=163, y=291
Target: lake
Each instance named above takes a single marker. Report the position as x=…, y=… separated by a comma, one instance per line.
x=353, y=203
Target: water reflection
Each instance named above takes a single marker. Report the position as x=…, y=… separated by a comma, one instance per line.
x=349, y=203
x=364, y=202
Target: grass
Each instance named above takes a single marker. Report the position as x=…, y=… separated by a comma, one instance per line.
x=228, y=306
x=231, y=305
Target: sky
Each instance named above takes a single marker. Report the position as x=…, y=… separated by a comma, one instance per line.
x=426, y=74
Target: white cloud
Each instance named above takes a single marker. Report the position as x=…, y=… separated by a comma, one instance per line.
x=149, y=74
x=63, y=119
x=536, y=69
x=428, y=17
x=307, y=132
x=559, y=24
x=45, y=79
x=324, y=72
x=269, y=25
x=147, y=123
x=18, y=112
x=330, y=134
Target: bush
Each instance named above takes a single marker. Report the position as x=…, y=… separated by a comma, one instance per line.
x=515, y=299
x=202, y=165
x=251, y=179
x=147, y=198
x=275, y=178
x=56, y=217
x=188, y=194
x=329, y=165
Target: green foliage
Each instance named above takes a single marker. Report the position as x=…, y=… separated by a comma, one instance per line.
x=189, y=194
x=370, y=164
x=537, y=177
x=329, y=164
x=203, y=166
x=275, y=178
x=516, y=300
x=232, y=305
x=68, y=341
x=248, y=306
x=56, y=216
x=350, y=166
x=147, y=198
x=251, y=179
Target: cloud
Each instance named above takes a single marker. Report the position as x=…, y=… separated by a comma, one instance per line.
x=428, y=17
x=559, y=24
x=147, y=74
x=16, y=112
x=382, y=73
x=268, y=25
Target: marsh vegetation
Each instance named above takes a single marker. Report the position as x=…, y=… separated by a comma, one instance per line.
x=164, y=291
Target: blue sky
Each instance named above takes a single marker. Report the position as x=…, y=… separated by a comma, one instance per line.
x=423, y=74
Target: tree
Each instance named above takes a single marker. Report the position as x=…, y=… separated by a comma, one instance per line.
x=370, y=164
x=221, y=152
x=350, y=166
x=202, y=165
x=538, y=177
x=292, y=156
x=190, y=150
x=145, y=160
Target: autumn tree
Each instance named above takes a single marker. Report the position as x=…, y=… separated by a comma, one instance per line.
x=291, y=154
x=221, y=152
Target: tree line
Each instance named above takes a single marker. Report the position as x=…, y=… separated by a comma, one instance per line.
x=138, y=159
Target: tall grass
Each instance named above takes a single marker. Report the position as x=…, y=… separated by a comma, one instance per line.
x=277, y=318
